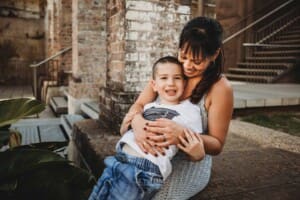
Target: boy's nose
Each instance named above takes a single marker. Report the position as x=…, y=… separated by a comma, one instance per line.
x=170, y=81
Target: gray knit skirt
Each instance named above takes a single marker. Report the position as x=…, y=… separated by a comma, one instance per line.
x=187, y=179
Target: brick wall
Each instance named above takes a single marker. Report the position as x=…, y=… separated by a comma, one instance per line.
x=21, y=27
x=88, y=47
x=65, y=34
x=139, y=33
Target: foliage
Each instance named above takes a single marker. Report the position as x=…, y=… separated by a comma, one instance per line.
x=12, y=110
x=34, y=171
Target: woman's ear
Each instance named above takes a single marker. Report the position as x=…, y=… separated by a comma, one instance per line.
x=153, y=84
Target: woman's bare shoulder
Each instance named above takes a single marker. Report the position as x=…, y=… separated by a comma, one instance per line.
x=222, y=85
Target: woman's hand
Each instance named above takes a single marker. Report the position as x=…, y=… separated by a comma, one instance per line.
x=141, y=134
x=192, y=144
x=127, y=121
x=167, y=132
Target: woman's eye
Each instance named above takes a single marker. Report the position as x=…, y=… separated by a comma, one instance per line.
x=183, y=58
x=197, y=62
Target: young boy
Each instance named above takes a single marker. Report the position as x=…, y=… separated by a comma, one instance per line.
x=132, y=174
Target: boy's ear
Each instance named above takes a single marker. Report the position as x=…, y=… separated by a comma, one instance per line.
x=153, y=85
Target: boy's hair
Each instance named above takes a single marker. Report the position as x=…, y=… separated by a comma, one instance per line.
x=166, y=59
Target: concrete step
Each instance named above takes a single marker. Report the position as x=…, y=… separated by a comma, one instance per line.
x=291, y=32
x=249, y=78
x=261, y=72
x=278, y=53
x=281, y=48
x=67, y=122
x=286, y=41
x=91, y=109
x=40, y=130
x=287, y=59
x=59, y=105
x=291, y=36
x=281, y=66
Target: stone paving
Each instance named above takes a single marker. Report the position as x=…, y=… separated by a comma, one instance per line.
x=256, y=163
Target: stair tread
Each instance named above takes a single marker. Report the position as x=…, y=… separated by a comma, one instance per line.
x=40, y=130
x=68, y=121
x=288, y=36
x=277, y=51
x=286, y=41
x=59, y=105
x=273, y=58
x=255, y=70
x=248, y=76
x=91, y=108
x=266, y=64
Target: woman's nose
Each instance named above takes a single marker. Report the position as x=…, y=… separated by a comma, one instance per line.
x=187, y=64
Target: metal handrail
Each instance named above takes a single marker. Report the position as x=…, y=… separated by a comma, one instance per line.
x=35, y=66
x=256, y=21
x=254, y=14
x=51, y=57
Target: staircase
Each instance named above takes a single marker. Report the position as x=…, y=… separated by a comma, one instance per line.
x=273, y=56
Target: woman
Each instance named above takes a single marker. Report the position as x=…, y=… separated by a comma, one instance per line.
x=200, y=52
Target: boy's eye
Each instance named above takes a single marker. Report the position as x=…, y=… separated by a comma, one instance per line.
x=163, y=78
x=178, y=77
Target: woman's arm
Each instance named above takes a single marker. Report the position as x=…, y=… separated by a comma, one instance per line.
x=146, y=96
x=219, y=104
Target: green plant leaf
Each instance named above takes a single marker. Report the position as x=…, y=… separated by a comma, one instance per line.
x=39, y=174
x=17, y=161
x=51, y=146
x=12, y=110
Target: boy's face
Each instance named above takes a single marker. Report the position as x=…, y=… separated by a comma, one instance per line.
x=169, y=82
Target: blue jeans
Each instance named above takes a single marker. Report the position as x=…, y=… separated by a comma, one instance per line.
x=127, y=177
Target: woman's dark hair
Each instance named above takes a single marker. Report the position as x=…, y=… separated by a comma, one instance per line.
x=203, y=37
x=166, y=59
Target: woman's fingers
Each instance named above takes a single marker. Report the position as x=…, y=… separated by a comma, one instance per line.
x=192, y=144
x=146, y=148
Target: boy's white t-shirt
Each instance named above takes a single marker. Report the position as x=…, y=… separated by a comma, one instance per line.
x=189, y=117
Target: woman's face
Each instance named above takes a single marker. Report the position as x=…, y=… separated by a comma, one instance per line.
x=193, y=67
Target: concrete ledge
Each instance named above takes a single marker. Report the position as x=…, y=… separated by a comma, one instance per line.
x=265, y=95
x=94, y=142
x=248, y=168
x=266, y=137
